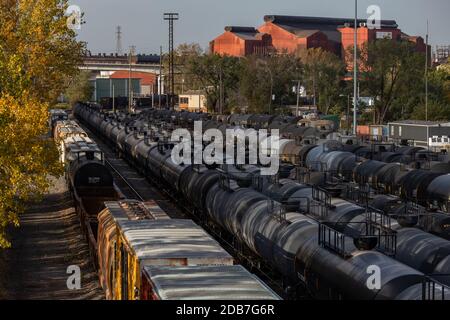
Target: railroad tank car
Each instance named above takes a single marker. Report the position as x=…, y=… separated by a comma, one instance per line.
x=438, y=192
x=324, y=146
x=56, y=115
x=416, y=248
x=437, y=223
x=414, y=184
x=421, y=250
x=260, y=121
x=385, y=177
x=296, y=132
x=350, y=275
x=88, y=176
x=366, y=172
x=195, y=183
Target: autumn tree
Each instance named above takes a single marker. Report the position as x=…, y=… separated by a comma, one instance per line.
x=38, y=53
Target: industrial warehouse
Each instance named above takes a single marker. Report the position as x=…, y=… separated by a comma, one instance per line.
x=237, y=173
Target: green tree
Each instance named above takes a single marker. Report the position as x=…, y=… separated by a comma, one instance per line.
x=183, y=55
x=393, y=73
x=322, y=77
x=218, y=76
x=261, y=78
x=80, y=89
x=437, y=111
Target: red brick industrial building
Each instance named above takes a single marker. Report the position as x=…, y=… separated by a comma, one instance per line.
x=290, y=33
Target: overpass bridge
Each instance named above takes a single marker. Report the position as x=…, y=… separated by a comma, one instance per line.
x=114, y=62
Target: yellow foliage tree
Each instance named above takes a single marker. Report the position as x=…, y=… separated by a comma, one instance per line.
x=38, y=52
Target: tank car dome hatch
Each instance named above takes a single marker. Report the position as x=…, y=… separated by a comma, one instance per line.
x=407, y=221
x=365, y=243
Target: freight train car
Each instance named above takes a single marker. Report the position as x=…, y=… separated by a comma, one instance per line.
x=203, y=283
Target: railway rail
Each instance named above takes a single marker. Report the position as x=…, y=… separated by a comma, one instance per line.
x=131, y=184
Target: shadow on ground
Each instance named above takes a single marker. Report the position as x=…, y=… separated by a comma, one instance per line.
x=48, y=241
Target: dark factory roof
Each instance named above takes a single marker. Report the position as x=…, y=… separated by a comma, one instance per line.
x=246, y=33
x=335, y=22
x=304, y=33
x=329, y=26
x=422, y=123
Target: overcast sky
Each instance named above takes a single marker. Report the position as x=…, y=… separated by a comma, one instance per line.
x=202, y=20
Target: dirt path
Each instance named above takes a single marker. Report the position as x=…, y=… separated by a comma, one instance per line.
x=47, y=243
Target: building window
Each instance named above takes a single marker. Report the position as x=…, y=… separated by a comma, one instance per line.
x=400, y=131
x=184, y=100
x=392, y=130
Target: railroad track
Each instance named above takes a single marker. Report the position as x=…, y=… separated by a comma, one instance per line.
x=131, y=183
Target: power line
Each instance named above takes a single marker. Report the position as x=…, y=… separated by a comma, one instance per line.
x=426, y=74
x=355, y=73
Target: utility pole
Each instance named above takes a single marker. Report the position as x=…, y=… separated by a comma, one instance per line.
x=426, y=74
x=355, y=72
x=113, y=99
x=160, y=88
x=298, y=97
x=348, y=113
x=119, y=41
x=220, y=92
x=171, y=17
x=130, y=90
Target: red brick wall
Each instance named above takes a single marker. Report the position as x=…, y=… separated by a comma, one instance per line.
x=281, y=39
x=318, y=40
x=228, y=44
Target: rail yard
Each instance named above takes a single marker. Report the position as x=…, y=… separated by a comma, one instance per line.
x=338, y=207
x=214, y=170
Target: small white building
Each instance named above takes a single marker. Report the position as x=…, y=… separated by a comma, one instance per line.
x=193, y=101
